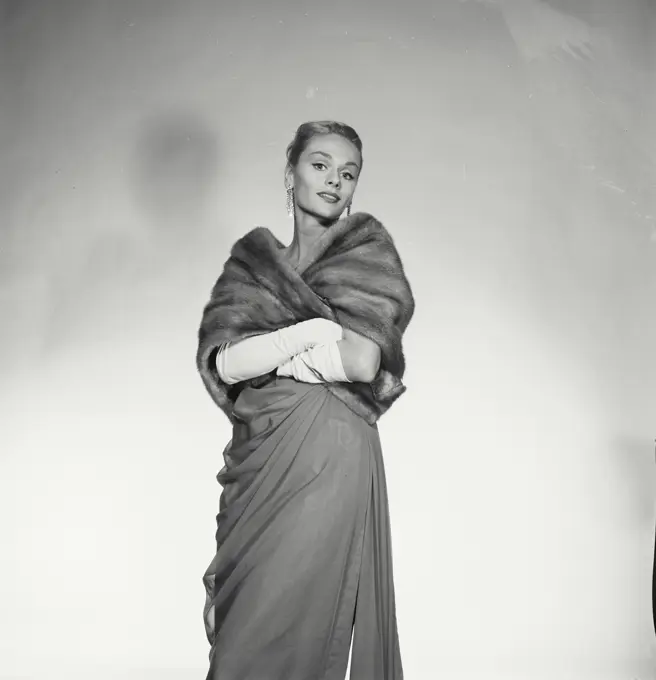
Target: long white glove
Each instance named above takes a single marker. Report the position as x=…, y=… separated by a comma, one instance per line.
x=262, y=354
x=320, y=364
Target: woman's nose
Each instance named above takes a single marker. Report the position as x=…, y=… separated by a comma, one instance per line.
x=333, y=181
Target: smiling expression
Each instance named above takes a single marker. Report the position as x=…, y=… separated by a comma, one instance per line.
x=325, y=176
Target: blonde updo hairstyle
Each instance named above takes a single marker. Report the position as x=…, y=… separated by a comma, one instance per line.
x=306, y=131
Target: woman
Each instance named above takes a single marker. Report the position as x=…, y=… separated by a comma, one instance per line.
x=300, y=346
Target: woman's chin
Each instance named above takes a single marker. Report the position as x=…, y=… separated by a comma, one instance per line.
x=331, y=209
x=328, y=213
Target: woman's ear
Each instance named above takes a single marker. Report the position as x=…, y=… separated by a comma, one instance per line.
x=289, y=177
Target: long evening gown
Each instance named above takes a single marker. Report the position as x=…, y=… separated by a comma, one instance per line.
x=304, y=555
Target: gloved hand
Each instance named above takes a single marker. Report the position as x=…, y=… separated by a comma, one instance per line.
x=262, y=354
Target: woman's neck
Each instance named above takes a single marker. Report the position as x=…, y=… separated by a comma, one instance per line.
x=307, y=229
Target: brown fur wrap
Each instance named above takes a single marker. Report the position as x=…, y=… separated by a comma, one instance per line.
x=353, y=275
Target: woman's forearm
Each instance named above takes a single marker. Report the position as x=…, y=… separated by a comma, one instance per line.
x=360, y=357
x=321, y=364
x=262, y=354
x=353, y=360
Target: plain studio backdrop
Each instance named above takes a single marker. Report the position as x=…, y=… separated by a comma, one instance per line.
x=509, y=148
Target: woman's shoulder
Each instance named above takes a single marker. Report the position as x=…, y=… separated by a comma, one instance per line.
x=257, y=248
x=364, y=225
x=259, y=236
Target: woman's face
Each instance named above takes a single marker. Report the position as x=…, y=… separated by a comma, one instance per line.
x=325, y=176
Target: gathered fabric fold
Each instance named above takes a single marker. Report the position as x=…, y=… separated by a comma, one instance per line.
x=304, y=561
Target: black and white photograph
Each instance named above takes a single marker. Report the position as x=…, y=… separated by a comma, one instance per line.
x=327, y=340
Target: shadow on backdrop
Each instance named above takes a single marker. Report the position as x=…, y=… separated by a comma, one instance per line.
x=171, y=181
x=175, y=166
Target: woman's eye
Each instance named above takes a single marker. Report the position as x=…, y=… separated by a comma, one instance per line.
x=315, y=165
x=348, y=176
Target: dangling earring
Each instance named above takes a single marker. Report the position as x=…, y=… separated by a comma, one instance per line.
x=290, y=201
x=348, y=210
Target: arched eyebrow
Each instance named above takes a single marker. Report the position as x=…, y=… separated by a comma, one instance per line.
x=327, y=155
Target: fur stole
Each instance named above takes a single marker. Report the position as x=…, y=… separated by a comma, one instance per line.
x=353, y=276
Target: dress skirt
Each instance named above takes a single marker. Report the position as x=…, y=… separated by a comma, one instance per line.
x=304, y=555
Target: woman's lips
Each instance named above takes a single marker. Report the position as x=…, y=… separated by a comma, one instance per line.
x=328, y=197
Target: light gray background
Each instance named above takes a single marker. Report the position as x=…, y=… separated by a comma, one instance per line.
x=509, y=147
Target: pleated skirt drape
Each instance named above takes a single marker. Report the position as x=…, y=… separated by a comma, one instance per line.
x=304, y=555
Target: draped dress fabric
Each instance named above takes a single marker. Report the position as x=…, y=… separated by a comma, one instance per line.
x=304, y=555
x=303, y=544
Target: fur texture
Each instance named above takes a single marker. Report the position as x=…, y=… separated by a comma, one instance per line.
x=353, y=276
